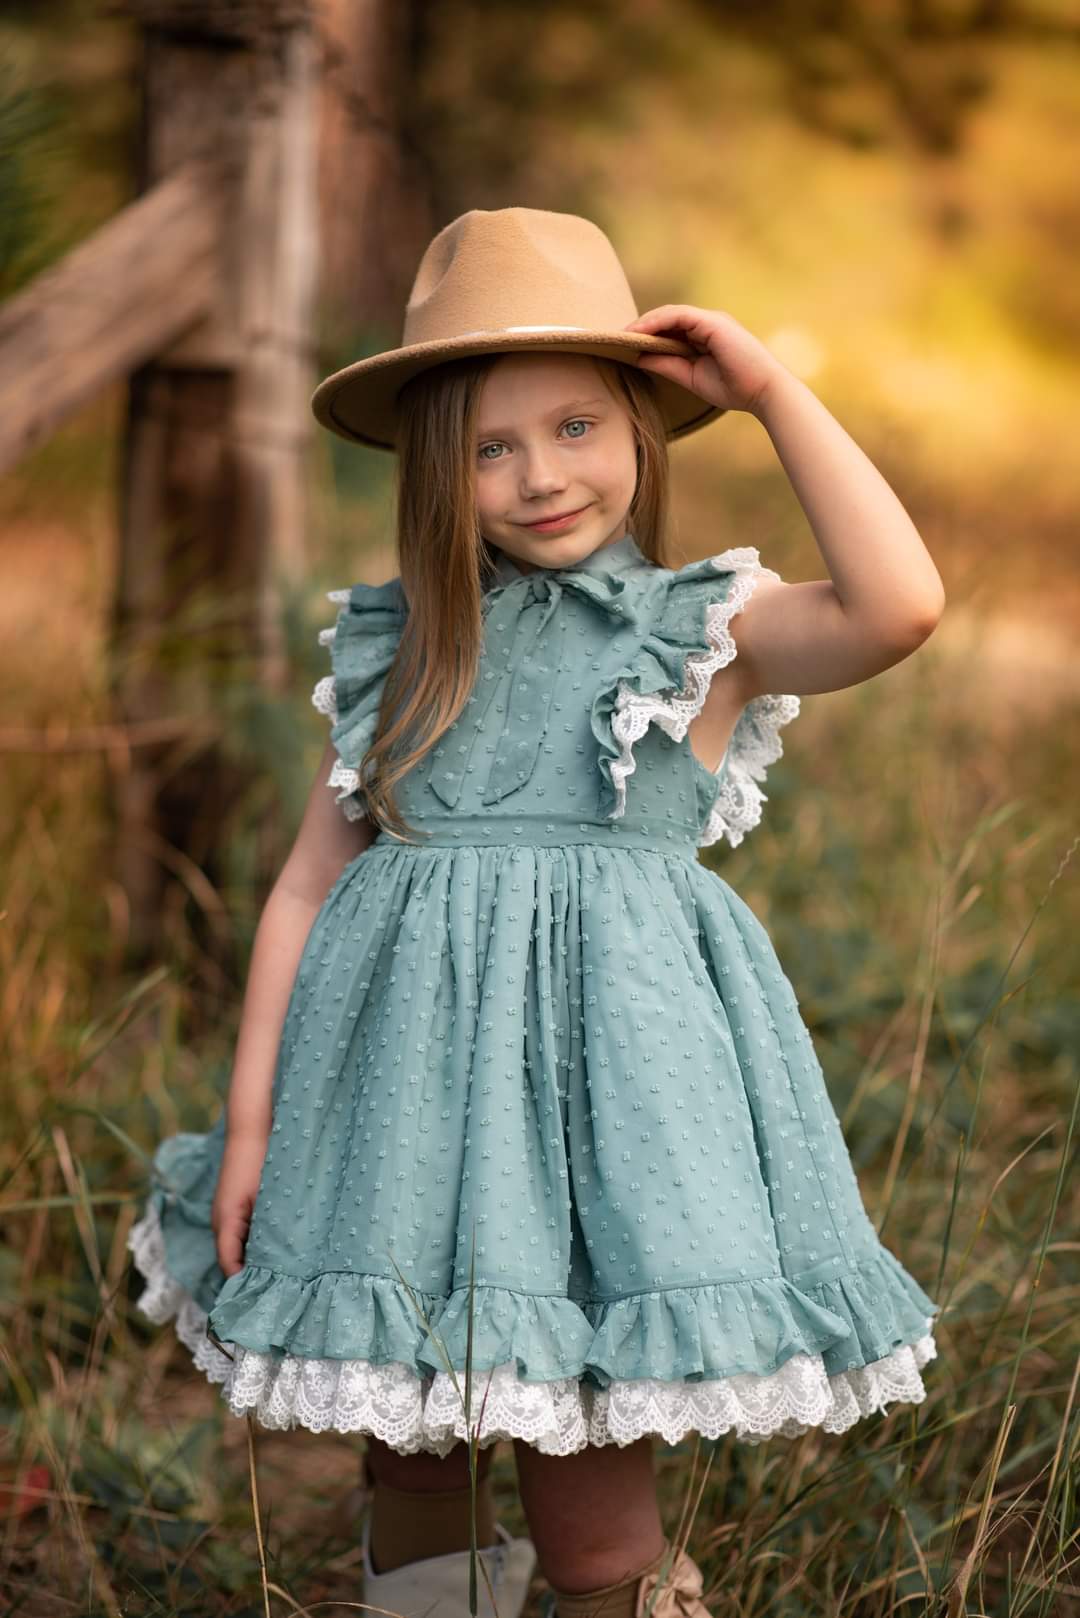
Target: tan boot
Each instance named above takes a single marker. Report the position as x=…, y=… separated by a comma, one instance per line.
x=676, y=1580
x=678, y=1592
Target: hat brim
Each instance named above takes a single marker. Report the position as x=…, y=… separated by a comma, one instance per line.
x=359, y=402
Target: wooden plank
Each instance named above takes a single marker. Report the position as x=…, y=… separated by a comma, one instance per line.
x=121, y=296
x=273, y=424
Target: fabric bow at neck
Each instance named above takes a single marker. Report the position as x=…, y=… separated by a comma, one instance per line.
x=531, y=669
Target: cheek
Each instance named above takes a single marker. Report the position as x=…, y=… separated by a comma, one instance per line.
x=485, y=491
x=613, y=461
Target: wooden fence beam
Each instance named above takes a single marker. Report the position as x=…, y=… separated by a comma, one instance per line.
x=127, y=292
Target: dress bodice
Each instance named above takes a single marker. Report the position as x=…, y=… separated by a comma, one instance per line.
x=588, y=676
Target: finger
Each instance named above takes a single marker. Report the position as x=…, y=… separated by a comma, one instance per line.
x=669, y=365
x=230, y=1258
x=663, y=312
x=667, y=317
x=230, y=1244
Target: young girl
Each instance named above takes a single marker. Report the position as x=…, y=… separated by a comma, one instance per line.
x=501, y=1023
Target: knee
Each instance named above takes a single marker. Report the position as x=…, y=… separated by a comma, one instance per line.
x=423, y=1473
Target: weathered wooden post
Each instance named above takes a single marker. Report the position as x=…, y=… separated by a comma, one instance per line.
x=375, y=175
x=212, y=507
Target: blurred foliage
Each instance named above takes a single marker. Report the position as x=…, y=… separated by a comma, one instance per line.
x=67, y=105
x=904, y=73
x=27, y=120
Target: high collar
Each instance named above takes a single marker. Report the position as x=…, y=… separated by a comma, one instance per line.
x=618, y=557
x=536, y=628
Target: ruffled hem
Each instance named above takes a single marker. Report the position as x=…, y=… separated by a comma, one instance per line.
x=565, y=1411
x=879, y=1302
x=644, y=697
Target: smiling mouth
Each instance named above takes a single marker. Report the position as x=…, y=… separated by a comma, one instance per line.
x=557, y=516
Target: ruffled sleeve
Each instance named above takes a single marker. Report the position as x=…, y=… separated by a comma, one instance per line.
x=666, y=683
x=362, y=643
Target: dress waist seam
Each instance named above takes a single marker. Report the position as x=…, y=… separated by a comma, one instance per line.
x=479, y=831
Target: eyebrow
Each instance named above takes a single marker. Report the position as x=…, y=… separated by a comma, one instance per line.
x=559, y=410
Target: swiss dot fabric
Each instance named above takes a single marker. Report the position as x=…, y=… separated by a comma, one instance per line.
x=545, y=1038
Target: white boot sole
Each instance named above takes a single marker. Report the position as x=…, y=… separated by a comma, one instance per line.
x=438, y=1586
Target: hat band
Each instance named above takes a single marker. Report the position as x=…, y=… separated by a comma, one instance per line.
x=485, y=331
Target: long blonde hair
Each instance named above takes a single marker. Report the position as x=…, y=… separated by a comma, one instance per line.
x=446, y=564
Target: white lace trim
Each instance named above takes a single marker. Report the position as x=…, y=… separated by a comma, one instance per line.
x=324, y=700
x=324, y=697
x=411, y=1413
x=737, y=808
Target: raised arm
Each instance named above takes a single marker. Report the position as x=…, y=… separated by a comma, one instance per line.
x=883, y=596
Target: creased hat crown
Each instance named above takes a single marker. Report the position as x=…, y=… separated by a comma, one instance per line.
x=516, y=268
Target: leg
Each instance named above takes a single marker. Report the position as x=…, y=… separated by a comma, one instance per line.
x=424, y=1473
x=421, y=1504
x=593, y=1516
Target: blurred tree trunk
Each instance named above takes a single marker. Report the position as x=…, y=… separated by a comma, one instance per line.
x=376, y=201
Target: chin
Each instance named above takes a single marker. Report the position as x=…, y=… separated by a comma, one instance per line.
x=574, y=545
x=555, y=556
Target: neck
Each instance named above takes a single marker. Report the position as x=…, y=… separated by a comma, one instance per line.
x=510, y=565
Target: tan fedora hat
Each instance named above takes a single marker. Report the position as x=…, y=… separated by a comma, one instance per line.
x=499, y=279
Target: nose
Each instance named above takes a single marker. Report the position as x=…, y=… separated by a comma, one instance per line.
x=541, y=473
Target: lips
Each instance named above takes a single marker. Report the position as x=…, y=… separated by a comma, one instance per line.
x=556, y=516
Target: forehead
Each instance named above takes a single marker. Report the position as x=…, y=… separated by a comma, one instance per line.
x=529, y=384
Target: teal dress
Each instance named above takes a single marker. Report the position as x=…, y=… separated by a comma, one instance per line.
x=546, y=1040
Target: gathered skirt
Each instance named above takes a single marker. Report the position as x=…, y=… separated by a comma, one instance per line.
x=552, y=1113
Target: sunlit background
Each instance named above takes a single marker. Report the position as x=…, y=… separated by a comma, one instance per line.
x=887, y=195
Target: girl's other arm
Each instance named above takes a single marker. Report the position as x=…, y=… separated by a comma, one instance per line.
x=884, y=596
x=325, y=843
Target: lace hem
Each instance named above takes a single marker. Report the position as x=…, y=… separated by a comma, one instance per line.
x=558, y=1417
x=755, y=742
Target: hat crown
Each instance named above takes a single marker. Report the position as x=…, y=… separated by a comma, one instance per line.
x=517, y=269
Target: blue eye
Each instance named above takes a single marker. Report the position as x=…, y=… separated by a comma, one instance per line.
x=576, y=421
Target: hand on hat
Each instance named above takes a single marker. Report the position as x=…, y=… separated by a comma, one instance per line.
x=733, y=368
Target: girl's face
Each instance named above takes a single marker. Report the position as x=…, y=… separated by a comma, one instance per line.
x=551, y=440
